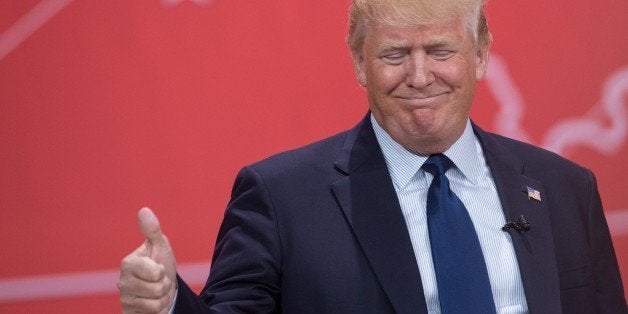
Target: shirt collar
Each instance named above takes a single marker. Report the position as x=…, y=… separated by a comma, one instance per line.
x=404, y=164
x=466, y=153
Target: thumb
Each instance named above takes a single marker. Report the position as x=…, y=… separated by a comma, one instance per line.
x=149, y=224
x=157, y=245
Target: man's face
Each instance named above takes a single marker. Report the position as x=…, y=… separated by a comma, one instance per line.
x=420, y=81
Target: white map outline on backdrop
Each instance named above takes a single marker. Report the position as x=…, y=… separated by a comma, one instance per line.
x=588, y=130
x=171, y=3
x=604, y=128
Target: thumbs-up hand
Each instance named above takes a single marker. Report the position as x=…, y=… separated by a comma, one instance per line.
x=147, y=281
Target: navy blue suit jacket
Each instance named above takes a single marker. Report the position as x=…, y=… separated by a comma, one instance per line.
x=320, y=230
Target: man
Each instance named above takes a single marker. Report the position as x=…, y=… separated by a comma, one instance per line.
x=351, y=224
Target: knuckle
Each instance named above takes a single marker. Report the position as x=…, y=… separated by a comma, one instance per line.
x=124, y=284
x=152, y=306
x=127, y=302
x=120, y=285
x=151, y=291
x=127, y=264
x=168, y=283
x=165, y=288
x=124, y=264
x=157, y=272
x=139, y=305
x=163, y=303
x=152, y=275
x=160, y=290
x=145, y=269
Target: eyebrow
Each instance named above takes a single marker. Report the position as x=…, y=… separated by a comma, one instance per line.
x=440, y=42
x=400, y=45
x=391, y=46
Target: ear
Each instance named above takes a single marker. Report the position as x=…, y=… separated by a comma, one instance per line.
x=358, y=64
x=482, y=58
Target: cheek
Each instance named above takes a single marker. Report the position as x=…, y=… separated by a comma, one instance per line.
x=454, y=76
x=385, y=78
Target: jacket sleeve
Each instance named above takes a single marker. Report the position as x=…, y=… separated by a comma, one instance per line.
x=608, y=284
x=245, y=272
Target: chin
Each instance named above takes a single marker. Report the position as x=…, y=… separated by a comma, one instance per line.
x=424, y=122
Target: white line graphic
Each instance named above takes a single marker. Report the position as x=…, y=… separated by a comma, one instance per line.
x=604, y=128
x=589, y=130
x=104, y=281
x=592, y=130
x=618, y=222
x=508, y=97
x=79, y=284
x=69, y=284
x=29, y=23
x=172, y=3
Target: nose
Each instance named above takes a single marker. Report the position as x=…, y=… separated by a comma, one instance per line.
x=418, y=71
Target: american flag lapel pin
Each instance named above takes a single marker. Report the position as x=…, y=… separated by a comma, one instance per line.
x=533, y=194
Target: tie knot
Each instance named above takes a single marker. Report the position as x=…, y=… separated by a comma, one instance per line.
x=437, y=164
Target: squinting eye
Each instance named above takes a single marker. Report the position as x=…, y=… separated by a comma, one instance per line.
x=442, y=54
x=393, y=58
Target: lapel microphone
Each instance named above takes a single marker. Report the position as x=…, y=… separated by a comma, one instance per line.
x=521, y=225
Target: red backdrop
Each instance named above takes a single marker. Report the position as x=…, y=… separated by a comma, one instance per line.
x=107, y=106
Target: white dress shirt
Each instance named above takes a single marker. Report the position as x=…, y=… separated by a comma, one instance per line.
x=472, y=182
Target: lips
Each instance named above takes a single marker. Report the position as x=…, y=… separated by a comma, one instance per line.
x=421, y=100
x=420, y=96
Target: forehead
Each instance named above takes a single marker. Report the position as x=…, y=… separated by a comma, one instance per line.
x=451, y=31
x=411, y=12
x=365, y=13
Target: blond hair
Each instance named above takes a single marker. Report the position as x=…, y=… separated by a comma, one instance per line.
x=415, y=12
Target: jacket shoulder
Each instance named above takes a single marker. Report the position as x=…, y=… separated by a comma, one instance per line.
x=536, y=159
x=319, y=154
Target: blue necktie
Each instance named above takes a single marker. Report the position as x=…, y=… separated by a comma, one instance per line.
x=461, y=275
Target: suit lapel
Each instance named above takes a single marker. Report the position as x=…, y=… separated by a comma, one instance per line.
x=370, y=205
x=534, y=248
